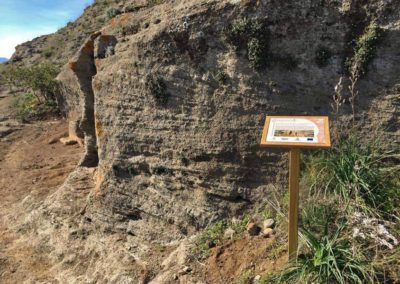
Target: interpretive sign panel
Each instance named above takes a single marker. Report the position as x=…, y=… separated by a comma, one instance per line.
x=296, y=131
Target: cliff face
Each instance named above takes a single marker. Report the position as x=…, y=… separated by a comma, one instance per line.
x=172, y=108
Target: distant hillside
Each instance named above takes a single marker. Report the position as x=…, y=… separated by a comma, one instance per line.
x=3, y=59
x=61, y=45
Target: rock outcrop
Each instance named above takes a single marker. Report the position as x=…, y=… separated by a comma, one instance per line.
x=172, y=106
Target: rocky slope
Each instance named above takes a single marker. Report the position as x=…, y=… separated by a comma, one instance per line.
x=60, y=46
x=169, y=101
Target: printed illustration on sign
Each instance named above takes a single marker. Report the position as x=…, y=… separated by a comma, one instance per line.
x=295, y=130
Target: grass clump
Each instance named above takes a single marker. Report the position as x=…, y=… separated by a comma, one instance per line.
x=213, y=235
x=354, y=171
x=365, y=49
x=157, y=88
x=327, y=260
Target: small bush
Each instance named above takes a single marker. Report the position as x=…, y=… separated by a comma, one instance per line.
x=48, y=53
x=256, y=53
x=328, y=260
x=38, y=80
x=152, y=3
x=28, y=107
x=112, y=12
x=253, y=35
x=157, y=88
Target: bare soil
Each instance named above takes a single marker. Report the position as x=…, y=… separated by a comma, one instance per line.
x=30, y=167
x=239, y=261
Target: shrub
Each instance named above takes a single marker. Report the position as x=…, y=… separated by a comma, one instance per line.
x=152, y=3
x=48, y=53
x=157, y=88
x=328, y=260
x=39, y=80
x=112, y=12
x=256, y=54
x=253, y=35
x=28, y=107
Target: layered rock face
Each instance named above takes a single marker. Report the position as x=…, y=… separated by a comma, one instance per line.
x=171, y=107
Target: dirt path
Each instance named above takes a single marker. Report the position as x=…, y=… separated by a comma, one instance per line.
x=30, y=167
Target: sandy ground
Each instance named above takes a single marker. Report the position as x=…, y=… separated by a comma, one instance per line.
x=29, y=166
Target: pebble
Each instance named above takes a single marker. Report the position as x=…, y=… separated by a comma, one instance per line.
x=268, y=232
x=185, y=270
x=229, y=233
x=269, y=223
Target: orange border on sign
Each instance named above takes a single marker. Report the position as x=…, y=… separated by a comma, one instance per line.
x=326, y=144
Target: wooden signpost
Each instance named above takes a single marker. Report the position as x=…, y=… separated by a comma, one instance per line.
x=295, y=133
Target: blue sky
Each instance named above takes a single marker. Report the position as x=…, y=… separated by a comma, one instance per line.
x=23, y=20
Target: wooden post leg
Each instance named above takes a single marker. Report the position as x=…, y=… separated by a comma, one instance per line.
x=294, y=174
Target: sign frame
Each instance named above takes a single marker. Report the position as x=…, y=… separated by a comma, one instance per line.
x=325, y=145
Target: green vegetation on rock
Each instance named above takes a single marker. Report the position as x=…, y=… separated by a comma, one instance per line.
x=365, y=49
x=156, y=87
x=328, y=260
x=253, y=35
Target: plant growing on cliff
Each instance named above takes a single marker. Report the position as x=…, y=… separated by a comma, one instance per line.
x=156, y=87
x=357, y=65
x=112, y=12
x=364, y=50
x=252, y=34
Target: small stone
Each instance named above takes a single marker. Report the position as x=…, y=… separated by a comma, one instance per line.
x=253, y=229
x=257, y=277
x=53, y=140
x=268, y=232
x=185, y=270
x=68, y=141
x=229, y=233
x=174, y=276
x=268, y=223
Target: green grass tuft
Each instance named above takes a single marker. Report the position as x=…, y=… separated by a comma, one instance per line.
x=328, y=260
